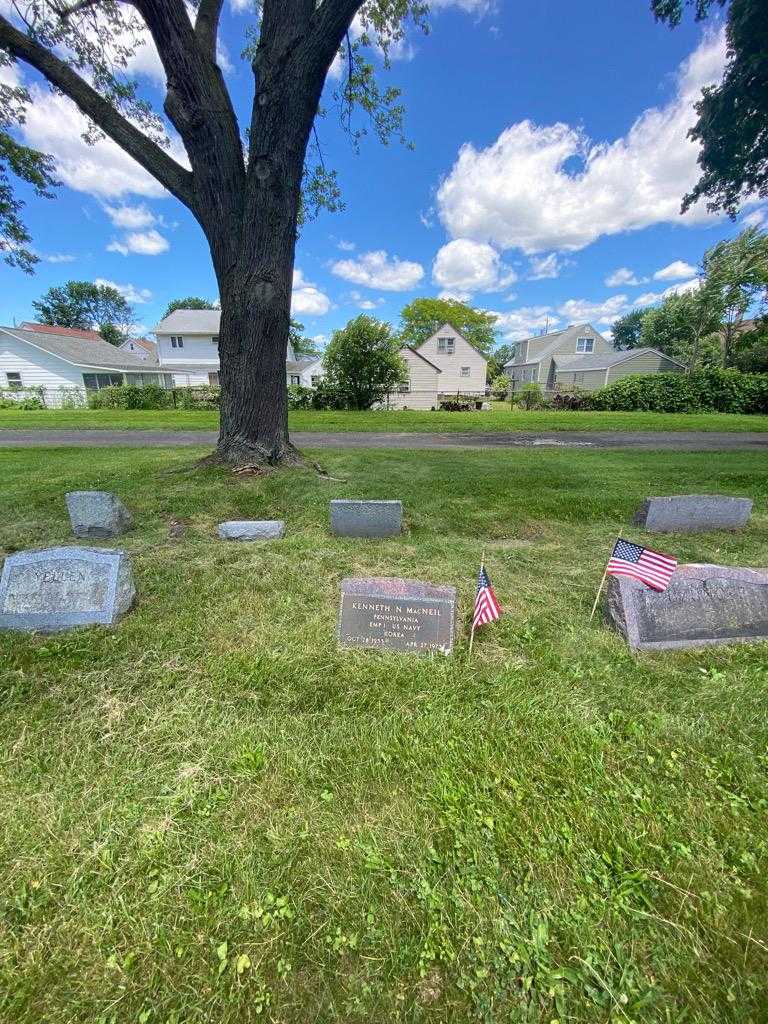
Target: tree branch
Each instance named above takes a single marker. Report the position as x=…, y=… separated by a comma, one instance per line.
x=207, y=26
x=148, y=154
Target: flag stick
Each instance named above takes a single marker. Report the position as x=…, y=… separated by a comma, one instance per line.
x=602, y=584
x=472, y=633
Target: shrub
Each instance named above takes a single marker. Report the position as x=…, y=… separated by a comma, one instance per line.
x=326, y=396
x=455, y=405
x=500, y=386
x=572, y=401
x=128, y=396
x=299, y=397
x=704, y=391
x=531, y=396
x=206, y=399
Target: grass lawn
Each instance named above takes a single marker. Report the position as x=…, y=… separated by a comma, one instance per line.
x=500, y=418
x=210, y=814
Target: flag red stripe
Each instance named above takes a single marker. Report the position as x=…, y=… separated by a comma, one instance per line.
x=629, y=569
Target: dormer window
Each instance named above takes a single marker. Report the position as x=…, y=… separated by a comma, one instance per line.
x=446, y=346
x=585, y=344
x=176, y=341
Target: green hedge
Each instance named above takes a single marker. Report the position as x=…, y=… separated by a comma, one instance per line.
x=128, y=396
x=703, y=391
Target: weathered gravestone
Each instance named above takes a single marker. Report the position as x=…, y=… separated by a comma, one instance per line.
x=366, y=518
x=60, y=588
x=96, y=515
x=252, y=529
x=702, y=606
x=693, y=513
x=392, y=614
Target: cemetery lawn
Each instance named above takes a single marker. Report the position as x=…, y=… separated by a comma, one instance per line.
x=500, y=418
x=211, y=814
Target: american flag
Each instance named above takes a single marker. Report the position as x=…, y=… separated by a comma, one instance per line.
x=650, y=567
x=487, y=608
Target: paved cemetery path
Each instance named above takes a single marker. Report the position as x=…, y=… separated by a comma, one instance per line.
x=681, y=441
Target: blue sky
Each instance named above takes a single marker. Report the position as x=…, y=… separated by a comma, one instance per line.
x=549, y=162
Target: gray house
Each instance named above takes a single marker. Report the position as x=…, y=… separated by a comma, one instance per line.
x=580, y=358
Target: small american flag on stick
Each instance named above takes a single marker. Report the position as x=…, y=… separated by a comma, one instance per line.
x=650, y=567
x=628, y=559
x=487, y=607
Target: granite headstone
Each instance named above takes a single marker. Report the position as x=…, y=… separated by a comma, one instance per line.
x=703, y=605
x=693, y=513
x=366, y=518
x=393, y=614
x=60, y=588
x=97, y=515
x=252, y=529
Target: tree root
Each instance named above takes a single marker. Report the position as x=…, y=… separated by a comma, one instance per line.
x=242, y=455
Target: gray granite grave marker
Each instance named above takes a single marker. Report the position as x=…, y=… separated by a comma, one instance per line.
x=96, y=515
x=388, y=613
x=703, y=605
x=366, y=518
x=60, y=588
x=693, y=513
x=252, y=529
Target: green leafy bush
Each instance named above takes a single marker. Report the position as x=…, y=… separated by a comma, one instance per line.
x=703, y=391
x=530, y=396
x=128, y=396
x=206, y=399
x=31, y=402
x=299, y=397
x=326, y=396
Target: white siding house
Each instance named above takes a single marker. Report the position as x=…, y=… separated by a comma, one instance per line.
x=65, y=364
x=423, y=386
x=142, y=348
x=188, y=347
x=463, y=367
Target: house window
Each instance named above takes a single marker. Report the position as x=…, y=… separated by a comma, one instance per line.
x=465, y=370
x=14, y=381
x=295, y=378
x=96, y=381
x=176, y=341
x=405, y=388
x=215, y=339
x=446, y=346
x=213, y=379
x=315, y=380
x=585, y=344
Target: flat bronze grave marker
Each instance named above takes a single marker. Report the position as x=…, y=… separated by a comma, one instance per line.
x=393, y=614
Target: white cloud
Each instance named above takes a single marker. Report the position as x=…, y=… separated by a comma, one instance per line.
x=365, y=303
x=577, y=311
x=649, y=298
x=521, y=191
x=59, y=257
x=623, y=276
x=463, y=267
x=525, y=322
x=674, y=271
x=379, y=270
x=129, y=292
x=132, y=218
x=754, y=219
x=545, y=267
x=307, y=298
x=346, y=246
x=478, y=7
x=143, y=243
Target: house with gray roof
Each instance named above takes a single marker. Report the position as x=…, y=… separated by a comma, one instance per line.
x=53, y=363
x=580, y=358
x=188, y=347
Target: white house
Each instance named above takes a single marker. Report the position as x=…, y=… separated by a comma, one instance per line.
x=463, y=367
x=59, y=363
x=142, y=348
x=188, y=347
x=423, y=386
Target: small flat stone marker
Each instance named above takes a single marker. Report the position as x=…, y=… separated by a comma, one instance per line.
x=97, y=515
x=703, y=605
x=393, y=614
x=366, y=518
x=252, y=529
x=61, y=588
x=693, y=513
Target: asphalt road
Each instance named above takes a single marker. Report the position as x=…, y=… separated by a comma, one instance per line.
x=681, y=441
